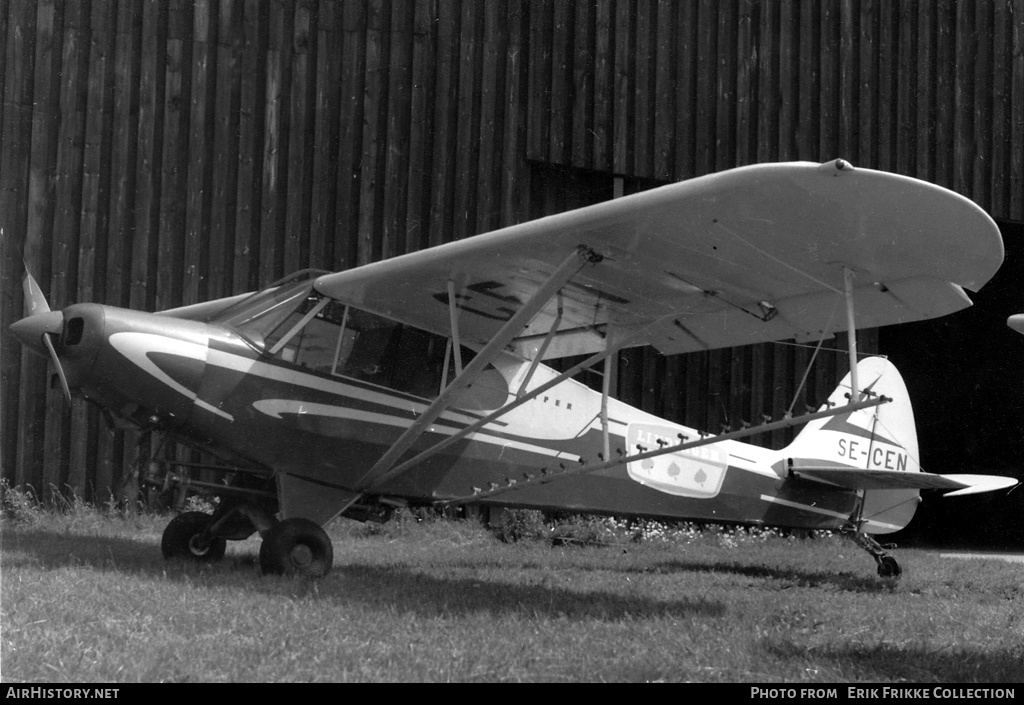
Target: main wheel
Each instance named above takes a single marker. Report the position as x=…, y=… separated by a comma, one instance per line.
x=296, y=547
x=184, y=538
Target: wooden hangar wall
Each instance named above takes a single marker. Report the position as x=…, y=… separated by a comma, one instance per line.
x=158, y=153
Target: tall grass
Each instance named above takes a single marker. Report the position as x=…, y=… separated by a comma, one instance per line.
x=86, y=597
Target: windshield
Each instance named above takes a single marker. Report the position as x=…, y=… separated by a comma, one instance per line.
x=259, y=315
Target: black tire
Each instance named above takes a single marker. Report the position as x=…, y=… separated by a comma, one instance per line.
x=296, y=547
x=889, y=568
x=180, y=539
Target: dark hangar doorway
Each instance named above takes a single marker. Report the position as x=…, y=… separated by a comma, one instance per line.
x=965, y=376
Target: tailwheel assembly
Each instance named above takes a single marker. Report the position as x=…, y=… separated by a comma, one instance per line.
x=186, y=536
x=887, y=565
x=296, y=547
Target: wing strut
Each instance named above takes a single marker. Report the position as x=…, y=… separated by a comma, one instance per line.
x=562, y=472
x=543, y=349
x=453, y=317
x=851, y=332
x=384, y=468
x=610, y=350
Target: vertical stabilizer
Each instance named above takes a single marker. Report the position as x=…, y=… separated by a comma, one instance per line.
x=881, y=438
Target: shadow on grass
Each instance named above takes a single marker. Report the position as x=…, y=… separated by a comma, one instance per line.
x=884, y=663
x=399, y=587
x=848, y=582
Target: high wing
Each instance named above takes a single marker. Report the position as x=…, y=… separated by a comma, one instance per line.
x=752, y=254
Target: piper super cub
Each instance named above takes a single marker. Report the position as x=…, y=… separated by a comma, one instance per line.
x=420, y=378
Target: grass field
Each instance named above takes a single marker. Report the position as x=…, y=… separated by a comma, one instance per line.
x=85, y=597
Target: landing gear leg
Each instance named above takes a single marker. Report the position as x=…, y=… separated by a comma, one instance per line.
x=887, y=565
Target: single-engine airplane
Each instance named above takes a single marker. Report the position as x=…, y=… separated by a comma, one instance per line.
x=420, y=378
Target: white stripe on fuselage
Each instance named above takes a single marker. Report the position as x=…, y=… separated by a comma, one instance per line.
x=137, y=346
x=277, y=407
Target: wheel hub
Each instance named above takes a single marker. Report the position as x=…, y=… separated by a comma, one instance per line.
x=196, y=547
x=302, y=555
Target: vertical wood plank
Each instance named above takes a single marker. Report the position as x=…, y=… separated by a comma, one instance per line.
x=541, y=14
x=64, y=425
x=149, y=157
x=301, y=130
x=492, y=91
x=849, y=73
x=643, y=80
x=170, y=247
x=225, y=157
x=665, y=86
x=399, y=119
x=725, y=79
x=828, y=61
x=93, y=445
x=622, y=89
x=28, y=33
x=966, y=43
x=246, y=273
x=198, y=186
x=867, y=93
x=745, y=134
x=560, y=140
x=583, y=76
x=467, y=133
x=908, y=90
x=945, y=94
x=1016, y=175
x=705, y=149
x=769, y=94
x=374, y=133
x=445, y=124
x=421, y=126
x=789, y=81
x=515, y=175
x=274, y=159
x=350, y=137
x=998, y=141
x=981, y=129
x=604, y=82
x=924, y=146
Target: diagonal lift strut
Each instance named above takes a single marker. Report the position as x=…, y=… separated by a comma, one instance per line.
x=384, y=469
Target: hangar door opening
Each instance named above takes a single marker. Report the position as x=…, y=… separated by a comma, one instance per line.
x=965, y=375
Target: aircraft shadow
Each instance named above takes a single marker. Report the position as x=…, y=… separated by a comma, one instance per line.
x=398, y=586
x=895, y=665
x=845, y=581
x=849, y=582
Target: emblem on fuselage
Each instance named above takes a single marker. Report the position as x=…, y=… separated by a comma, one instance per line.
x=696, y=472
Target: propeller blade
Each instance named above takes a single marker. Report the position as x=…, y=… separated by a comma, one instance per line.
x=48, y=342
x=35, y=302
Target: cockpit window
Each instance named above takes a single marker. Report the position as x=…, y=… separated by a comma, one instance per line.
x=293, y=323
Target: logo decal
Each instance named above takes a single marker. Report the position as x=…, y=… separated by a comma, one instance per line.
x=696, y=472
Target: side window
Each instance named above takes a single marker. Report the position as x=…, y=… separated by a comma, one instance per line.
x=366, y=345
x=315, y=343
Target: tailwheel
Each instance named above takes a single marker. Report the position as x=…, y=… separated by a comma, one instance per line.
x=888, y=567
x=186, y=537
x=296, y=547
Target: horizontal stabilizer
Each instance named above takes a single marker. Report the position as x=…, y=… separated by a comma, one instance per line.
x=854, y=479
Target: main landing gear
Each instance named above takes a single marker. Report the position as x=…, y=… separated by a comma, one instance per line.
x=293, y=546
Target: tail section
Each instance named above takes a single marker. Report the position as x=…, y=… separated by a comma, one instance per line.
x=875, y=451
